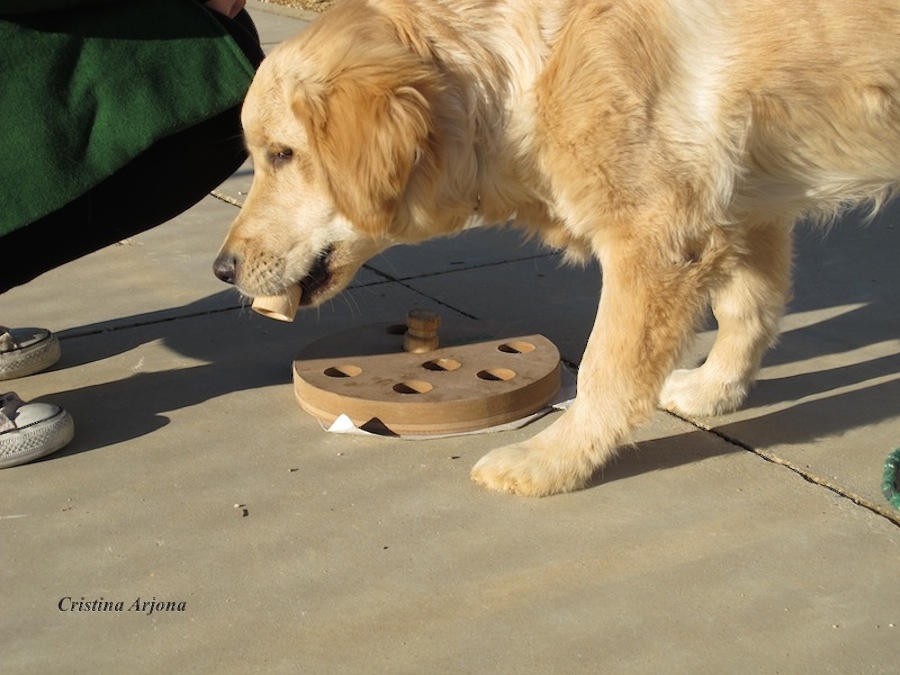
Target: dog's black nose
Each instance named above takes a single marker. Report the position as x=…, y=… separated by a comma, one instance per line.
x=225, y=267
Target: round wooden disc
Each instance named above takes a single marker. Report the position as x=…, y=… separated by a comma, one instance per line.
x=475, y=384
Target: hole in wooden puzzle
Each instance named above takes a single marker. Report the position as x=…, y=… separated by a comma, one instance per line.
x=413, y=387
x=496, y=374
x=442, y=365
x=343, y=371
x=516, y=347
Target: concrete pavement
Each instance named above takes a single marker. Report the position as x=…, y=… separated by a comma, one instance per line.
x=225, y=531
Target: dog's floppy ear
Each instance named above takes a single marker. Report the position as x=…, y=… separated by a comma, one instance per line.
x=369, y=125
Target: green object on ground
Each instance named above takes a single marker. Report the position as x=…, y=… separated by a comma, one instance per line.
x=889, y=482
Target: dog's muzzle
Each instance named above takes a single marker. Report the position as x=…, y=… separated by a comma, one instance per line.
x=319, y=276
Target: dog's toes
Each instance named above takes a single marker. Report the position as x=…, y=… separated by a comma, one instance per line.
x=527, y=471
x=693, y=393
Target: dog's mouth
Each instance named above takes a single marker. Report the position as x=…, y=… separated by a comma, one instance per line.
x=318, y=279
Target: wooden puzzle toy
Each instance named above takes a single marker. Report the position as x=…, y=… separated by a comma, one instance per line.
x=396, y=379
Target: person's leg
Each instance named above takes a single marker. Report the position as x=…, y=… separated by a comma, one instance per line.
x=165, y=180
x=168, y=178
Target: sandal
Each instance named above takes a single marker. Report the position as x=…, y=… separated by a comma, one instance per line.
x=31, y=430
x=24, y=351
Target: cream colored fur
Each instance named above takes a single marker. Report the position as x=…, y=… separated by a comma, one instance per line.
x=677, y=141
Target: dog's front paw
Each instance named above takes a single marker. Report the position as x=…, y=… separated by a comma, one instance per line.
x=529, y=471
x=694, y=393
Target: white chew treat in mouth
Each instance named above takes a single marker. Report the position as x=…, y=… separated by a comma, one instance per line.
x=280, y=307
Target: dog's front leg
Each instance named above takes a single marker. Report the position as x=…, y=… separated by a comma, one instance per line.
x=647, y=311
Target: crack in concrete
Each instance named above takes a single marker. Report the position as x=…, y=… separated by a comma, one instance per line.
x=810, y=477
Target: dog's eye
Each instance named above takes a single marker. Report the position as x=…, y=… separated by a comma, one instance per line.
x=280, y=157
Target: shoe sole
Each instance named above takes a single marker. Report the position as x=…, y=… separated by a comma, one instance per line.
x=36, y=441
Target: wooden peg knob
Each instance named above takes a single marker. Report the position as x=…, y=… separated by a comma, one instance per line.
x=421, y=331
x=280, y=307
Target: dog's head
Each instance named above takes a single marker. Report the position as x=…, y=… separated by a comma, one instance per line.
x=340, y=126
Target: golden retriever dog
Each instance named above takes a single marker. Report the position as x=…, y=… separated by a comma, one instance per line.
x=677, y=141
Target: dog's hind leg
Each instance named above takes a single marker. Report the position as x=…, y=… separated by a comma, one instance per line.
x=747, y=306
x=648, y=307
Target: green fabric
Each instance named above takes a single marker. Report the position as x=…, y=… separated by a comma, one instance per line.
x=27, y=6
x=82, y=92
